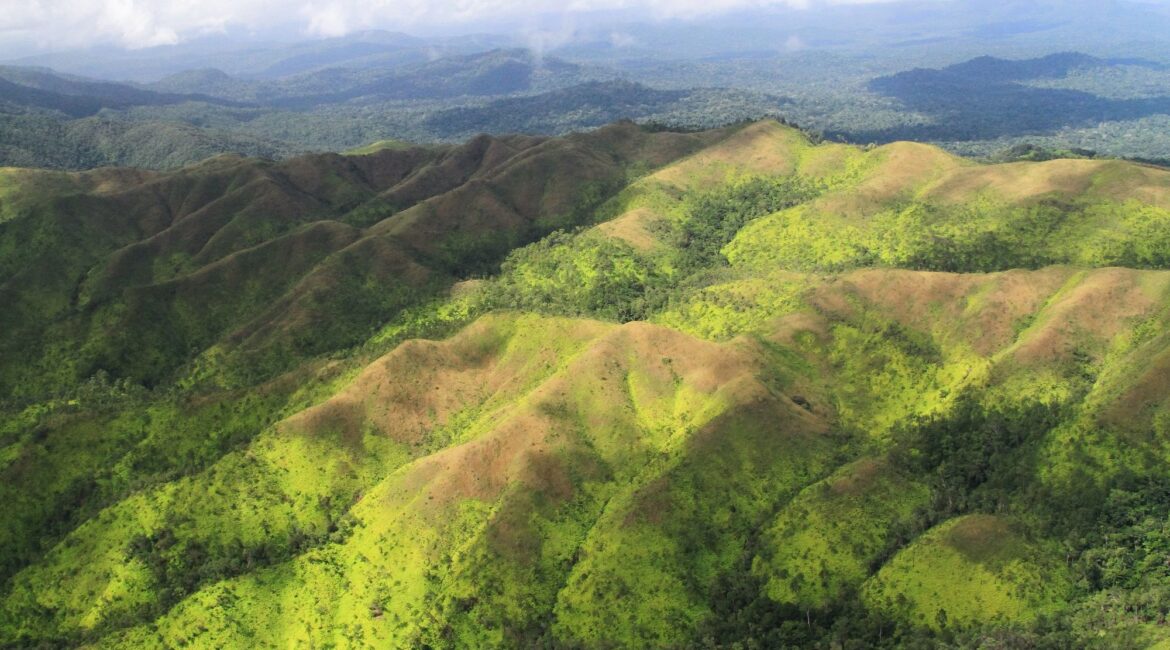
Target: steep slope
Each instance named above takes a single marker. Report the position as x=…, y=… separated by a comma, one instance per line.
x=764, y=393
x=86, y=265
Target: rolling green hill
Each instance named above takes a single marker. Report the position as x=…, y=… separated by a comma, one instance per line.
x=631, y=388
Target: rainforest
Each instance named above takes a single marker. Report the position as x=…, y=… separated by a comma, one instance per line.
x=631, y=387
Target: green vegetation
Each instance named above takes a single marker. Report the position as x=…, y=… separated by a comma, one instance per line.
x=964, y=238
x=635, y=388
x=969, y=571
x=713, y=219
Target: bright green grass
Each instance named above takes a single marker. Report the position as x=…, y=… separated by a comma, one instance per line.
x=747, y=306
x=651, y=559
x=982, y=236
x=819, y=547
x=969, y=571
x=887, y=374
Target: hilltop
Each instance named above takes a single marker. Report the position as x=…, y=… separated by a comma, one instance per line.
x=628, y=388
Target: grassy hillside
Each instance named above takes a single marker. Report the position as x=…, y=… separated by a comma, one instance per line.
x=623, y=389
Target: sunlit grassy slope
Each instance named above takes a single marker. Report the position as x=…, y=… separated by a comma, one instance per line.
x=375, y=147
x=761, y=391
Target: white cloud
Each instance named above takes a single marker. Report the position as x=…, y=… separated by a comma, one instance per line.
x=622, y=39
x=134, y=24
x=331, y=19
x=57, y=24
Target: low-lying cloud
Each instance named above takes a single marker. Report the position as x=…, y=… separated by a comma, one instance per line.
x=61, y=24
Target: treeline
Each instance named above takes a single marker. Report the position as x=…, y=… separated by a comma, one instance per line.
x=582, y=274
x=42, y=141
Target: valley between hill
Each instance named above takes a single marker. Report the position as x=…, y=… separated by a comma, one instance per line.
x=629, y=388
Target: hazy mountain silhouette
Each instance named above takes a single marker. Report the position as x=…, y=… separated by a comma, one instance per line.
x=987, y=98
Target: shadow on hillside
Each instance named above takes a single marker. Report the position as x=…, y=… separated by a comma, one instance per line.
x=988, y=98
x=595, y=103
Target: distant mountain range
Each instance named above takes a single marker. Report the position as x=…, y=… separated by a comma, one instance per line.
x=989, y=98
x=494, y=73
x=53, y=120
x=921, y=73
x=35, y=88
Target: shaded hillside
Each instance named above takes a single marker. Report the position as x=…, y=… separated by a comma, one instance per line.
x=596, y=103
x=753, y=392
x=330, y=246
x=211, y=81
x=988, y=98
x=592, y=104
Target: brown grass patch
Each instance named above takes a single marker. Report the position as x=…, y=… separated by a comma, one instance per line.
x=1026, y=181
x=634, y=228
x=587, y=402
x=763, y=148
x=1018, y=182
x=465, y=288
x=1142, y=183
x=787, y=328
x=906, y=165
x=482, y=468
x=860, y=477
x=901, y=171
x=1135, y=408
x=986, y=311
x=982, y=538
x=701, y=364
x=422, y=384
x=980, y=310
x=1092, y=312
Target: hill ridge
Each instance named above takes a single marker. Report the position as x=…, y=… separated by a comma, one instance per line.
x=627, y=386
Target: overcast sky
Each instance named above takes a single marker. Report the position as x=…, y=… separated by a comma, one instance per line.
x=40, y=25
